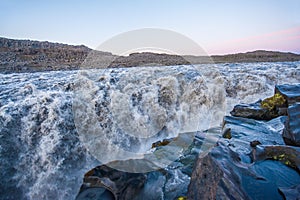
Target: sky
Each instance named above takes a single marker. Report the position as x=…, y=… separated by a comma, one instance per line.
x=218, y=26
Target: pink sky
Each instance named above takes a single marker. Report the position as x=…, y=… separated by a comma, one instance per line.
x=282, y=40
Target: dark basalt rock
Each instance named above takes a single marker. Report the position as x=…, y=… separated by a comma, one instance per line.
x=236, y=170
x=276, y=104
x=253, y=111
x=164, y=142
x=226, y=133
x=288, y=155
x=265, y=169
x=290, y=92
x=291, y=192
x=254, y=143
x=248, y=130
x=111, y=183
x=291, y=133
x=271, y=107
x=215, y=176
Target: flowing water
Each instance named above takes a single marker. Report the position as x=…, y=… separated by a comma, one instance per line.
x=55, y=126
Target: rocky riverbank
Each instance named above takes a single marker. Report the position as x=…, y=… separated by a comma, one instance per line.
x=253, y=159
x=33, y=56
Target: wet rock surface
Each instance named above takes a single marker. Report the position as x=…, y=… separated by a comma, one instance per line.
x=272, y=107
x=253, y=161
x=235, y=169
x=290, y=92
x=254, y=111
x=291, y=192
x=291, y=132
x=287, y=155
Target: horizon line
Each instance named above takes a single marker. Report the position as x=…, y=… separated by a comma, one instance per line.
x=208, y=54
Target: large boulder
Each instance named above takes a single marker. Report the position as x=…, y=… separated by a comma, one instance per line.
x=253, y=163
x=290, y=92
x=222, y=174
x=266, y=109
x=248, y=130
x=272, y=107
x=215, y=176
x=111, y=183
x=288, y=155
x=291, y=133
x=290, y=193
x=253, y=111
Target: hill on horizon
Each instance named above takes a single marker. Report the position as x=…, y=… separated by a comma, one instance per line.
x=31, y=56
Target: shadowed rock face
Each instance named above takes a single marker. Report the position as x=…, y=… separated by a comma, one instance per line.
x=291, y=192
x=253, y=111
x=288, y=155
x=210, y=180
x=291, y=133
x=118, y=184
x=290, y=92
x=235, y=169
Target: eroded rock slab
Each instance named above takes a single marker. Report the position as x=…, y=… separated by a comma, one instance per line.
x=290, y=92
x=253, y=111
x=238, y=169
x=291, y=133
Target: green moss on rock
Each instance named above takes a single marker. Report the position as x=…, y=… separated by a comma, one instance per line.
x=272, y=102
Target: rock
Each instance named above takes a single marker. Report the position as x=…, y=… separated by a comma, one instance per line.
x=272, y=107
x=227, y=133
x=112, y=182
x=161, y=143
x=203, y=186
x=235, y=170
x=276, y=104
x=290, y=193
x=248, y=130
x=31, y=56
x=95, y=193
x=171, y=184
x=253, y=111
x=288, y=155
x=210, y=180
x=290, y=92
x=291, y=133
x=254, y=143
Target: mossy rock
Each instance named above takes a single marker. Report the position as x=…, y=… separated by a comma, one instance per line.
x=273, y=102
x=285, y=154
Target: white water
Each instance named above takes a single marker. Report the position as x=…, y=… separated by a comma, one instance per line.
x=41, y=154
